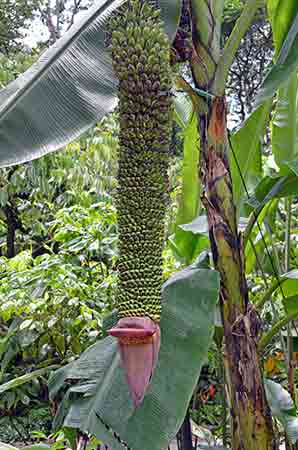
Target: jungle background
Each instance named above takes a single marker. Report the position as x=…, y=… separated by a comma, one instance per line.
x=58, y=239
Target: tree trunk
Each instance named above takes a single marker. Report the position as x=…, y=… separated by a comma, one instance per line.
x=184, y=436
x=251, y=420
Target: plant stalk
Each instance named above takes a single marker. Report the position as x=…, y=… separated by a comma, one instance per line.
x=232, y=44
x=252, y=427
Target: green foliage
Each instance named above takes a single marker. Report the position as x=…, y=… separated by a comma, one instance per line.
x=186, y=245
x=61, y=280
x=22, y=425
x=100, y=395
x=246, y=152
x=281, y=16
x=284, y=122
x=284, y=67
x=54, y=303
x=60, y=297
x=84, y=174
x=282, y=407
x=58, y=273
x=13, y=65
x=14, y=18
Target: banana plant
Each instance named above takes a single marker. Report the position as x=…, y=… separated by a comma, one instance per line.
x=73, y=85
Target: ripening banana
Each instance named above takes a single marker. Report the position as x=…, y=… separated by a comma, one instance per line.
x=141, y=61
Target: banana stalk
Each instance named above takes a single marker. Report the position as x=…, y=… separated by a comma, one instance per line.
x=251, y=420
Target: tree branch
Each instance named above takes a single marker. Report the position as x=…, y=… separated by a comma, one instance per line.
x=75, y=10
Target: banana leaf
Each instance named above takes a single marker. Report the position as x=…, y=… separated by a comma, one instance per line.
x=285, y=65
x=283, y=408
x=186, y=245
x=246, y=151
x=93, y=389
x=284, y=125
x=67, y=90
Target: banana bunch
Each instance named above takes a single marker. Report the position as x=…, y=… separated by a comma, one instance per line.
x=141, y=61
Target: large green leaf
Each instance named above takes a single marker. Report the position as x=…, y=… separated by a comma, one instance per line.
x=284, y=121
x=189, y=199
x=186, y=244
x=285, y=282
x=246, y=141
x=283, y=408
x=246, y=150
x=284, y=125
x=285, y=65
x=259, y=239
x=274, y=187
x=70, y=88
x=290, y=286
x=97, y=391
x=291, y=304
x=281, y=15
x=264, y=202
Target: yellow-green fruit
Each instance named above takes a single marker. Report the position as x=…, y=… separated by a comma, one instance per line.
x=141, y=60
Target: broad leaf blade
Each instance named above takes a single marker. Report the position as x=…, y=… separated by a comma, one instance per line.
x=247, y=141
x=284, y=126
x=246, y=150
x=183, y=110
x=101, y=395
x=186, y=244
x=282, y=407
x=286, y=64
x=63, y=94
x=291, y=304
x=273, y=188
x=170, y=13
x=284, y=120
x=293, y=166
x=290, y=285
x=281, y=16
x=70, y=88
